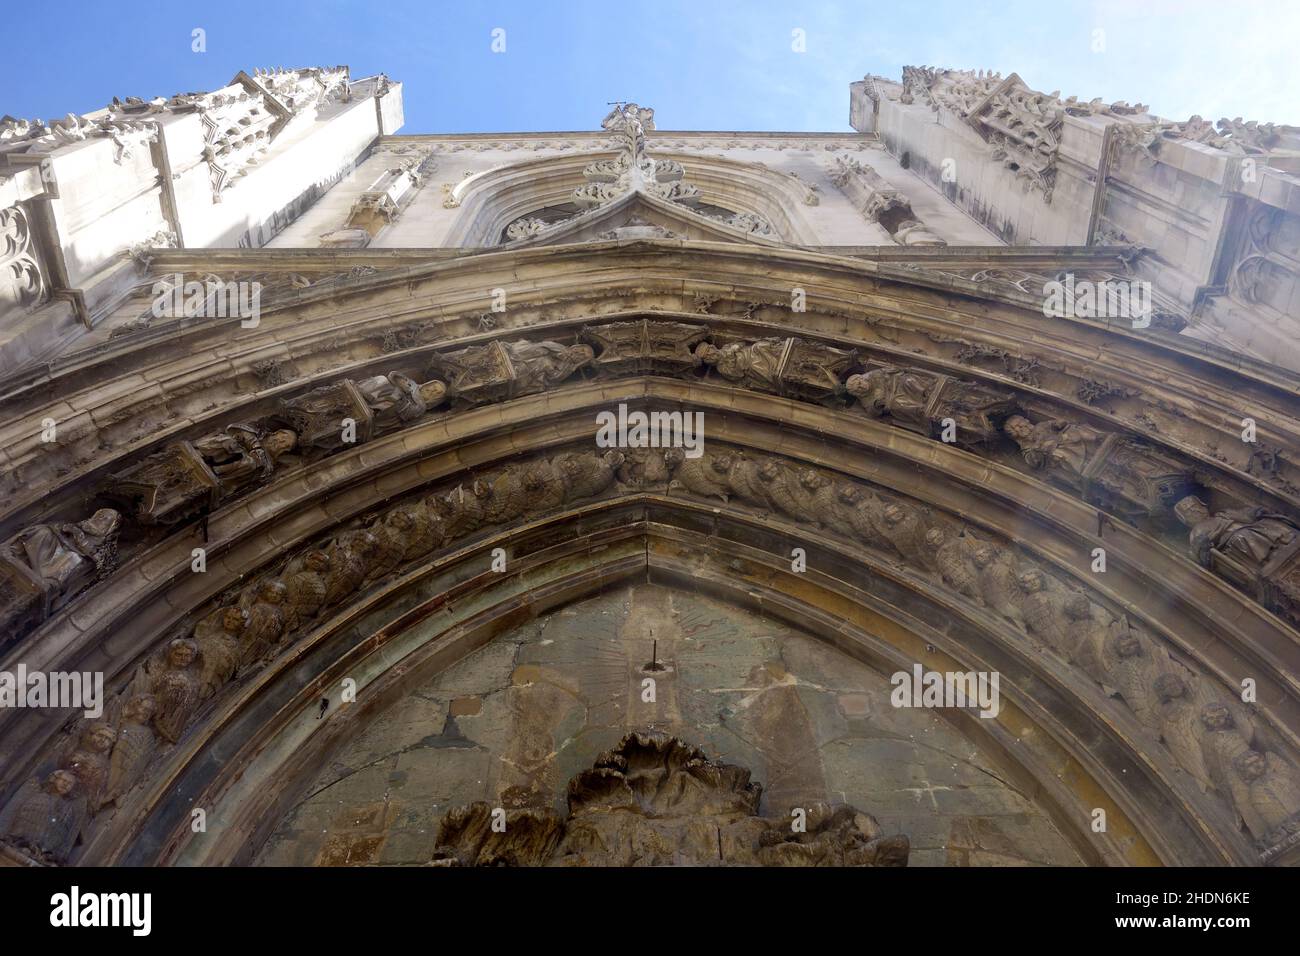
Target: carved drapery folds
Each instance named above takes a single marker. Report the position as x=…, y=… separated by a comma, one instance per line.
x=656, y=801
x=880, y=202
x=44, y=566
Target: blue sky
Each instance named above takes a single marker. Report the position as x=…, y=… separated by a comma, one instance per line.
x=708, y=64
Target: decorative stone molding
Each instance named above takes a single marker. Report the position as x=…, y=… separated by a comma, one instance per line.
x=22, y=279
x=1021, y=125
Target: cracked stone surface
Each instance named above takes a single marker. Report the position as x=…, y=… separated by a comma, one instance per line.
x=511, y=723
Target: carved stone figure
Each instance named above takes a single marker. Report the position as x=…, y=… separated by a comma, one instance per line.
x=89, y=761
x=44, y=566
x=218, y=637
x=350, y=412
x=1064, y=450
x=462, y=509
x=1272, y=810
x=952, y=556
x=1044, y=610
x=267, y=619
x=305, y=584
x=1130, y=665
x=586, y=475
x=1237, y=544
x=185, y=478
x=904, y=527
x=705, y=476
x=1222, y=742
x=395, y=400
x=1123, y=474
x=350, y=555
x=752, y=364
x=176, y=687
x=542, y=365
x=1180, y=723
x=416, y=528
x=136, y=743
x=902, y=394
x=648, y=467
x=864, y=513
x=998, y=582
x=508, y=369
x=655, y=801
x=48, y=817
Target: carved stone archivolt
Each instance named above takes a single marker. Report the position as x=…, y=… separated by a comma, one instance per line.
x=1125, y=475
x=656, y=801
x=259, y=619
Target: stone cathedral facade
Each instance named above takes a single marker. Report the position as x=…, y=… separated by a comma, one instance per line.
x=925, y=494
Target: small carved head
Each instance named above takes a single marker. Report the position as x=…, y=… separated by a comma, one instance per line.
x=983, y=556
x=99, y=737
x=811, y=480
x=234, y=619
x=674, y=457
x=722, y=463
x=894, y=515
x=1019, y=428
x=708, y=353
x=934, y=538
x=432, y=393
x=613, y=459
x=849, y=494
x=1216, y=716
x=271, y=592
x=1169, y=686
x=103, y=523
x=1128, y=645
x=580, y=355
x=1032, y=581
x=182, y=652
x=317, y=561
x=61, y=783
x=279, y=442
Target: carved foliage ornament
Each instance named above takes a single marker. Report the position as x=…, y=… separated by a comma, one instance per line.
x=656, y=801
